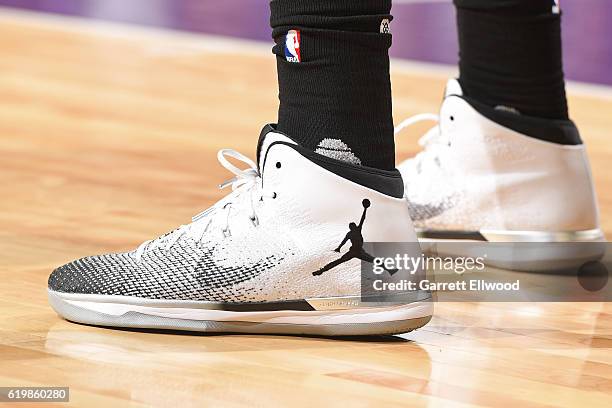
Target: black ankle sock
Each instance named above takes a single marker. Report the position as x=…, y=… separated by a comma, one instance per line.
x=510, y=55
x=335, y=93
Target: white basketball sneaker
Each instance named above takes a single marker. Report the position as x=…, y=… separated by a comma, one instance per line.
x=481, y=177
x=265, y=259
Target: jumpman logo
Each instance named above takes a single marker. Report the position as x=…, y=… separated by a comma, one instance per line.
x=356, y=250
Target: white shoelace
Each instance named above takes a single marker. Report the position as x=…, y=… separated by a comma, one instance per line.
x=245, y=186
x=431, y=142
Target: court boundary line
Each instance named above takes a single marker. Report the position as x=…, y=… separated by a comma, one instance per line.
x=228, y=45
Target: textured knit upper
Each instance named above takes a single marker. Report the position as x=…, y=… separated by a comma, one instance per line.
x=186, y=272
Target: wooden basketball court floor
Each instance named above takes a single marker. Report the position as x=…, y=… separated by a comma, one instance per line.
x=108, y=137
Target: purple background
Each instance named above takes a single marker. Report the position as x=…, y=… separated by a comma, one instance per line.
x=423, y=31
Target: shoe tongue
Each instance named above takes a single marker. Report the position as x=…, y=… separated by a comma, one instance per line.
x=453, y=87
x=268, y=136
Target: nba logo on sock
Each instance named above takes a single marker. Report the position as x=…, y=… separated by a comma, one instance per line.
x=292, y=46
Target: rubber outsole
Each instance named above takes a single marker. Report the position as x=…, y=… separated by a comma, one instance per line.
x=133, y=319
x=530, y=251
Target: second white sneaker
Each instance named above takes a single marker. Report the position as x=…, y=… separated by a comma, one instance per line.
x=482, y=177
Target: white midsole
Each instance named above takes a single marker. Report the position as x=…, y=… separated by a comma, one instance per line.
x=508, y=236
x=535, y=253
x=409, y=311
x=593, y=235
